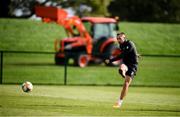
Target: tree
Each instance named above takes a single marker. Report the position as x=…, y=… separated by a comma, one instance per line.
x=4, y=8
x=146, y=10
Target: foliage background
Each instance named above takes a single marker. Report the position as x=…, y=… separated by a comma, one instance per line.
x=167, y=11
x=146, y=10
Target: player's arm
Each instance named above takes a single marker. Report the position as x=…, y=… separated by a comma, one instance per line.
x=118, y=57
x=127, y=49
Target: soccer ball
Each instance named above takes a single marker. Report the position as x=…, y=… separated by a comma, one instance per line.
x=27, y=86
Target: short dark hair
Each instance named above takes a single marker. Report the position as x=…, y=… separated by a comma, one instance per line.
x=120, y=33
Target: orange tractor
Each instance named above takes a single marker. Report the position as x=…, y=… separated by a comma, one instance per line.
x=90, y=39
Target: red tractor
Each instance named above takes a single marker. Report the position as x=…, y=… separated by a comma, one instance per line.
x=90, y=39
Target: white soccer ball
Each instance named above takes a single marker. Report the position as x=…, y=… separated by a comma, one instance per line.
x=27, y=86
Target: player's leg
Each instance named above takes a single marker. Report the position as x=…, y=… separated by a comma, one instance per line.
x=126, y=84
x=123, y=69
x=128, y=78
x=124, y=91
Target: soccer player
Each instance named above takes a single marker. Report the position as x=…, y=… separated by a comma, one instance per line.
x=128, y=65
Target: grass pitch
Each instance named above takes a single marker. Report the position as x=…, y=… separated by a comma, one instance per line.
x=40, y=69
x=88, y=101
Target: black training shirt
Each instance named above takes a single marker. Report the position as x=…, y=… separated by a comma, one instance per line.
x=128, y=55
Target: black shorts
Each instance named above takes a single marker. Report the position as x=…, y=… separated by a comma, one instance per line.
x=130, y=72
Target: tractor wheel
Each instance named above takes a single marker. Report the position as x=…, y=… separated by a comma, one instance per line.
x=112, y=52
x=81, y=60
x=59, y=60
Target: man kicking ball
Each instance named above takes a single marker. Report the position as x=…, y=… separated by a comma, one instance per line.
x=128, y=66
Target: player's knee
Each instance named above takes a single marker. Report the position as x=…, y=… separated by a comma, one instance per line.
x=123, y=67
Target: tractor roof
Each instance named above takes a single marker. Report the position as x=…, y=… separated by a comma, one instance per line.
x=99, y=20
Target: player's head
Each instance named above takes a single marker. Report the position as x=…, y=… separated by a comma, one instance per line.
x=121, y=37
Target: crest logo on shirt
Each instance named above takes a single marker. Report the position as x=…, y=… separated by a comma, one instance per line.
x=132, y=73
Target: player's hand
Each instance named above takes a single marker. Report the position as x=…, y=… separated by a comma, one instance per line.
x=107, y=61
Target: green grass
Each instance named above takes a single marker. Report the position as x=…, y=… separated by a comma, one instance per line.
x=154, y=38
x=150, y=38
x=54, y=100
x=29, y=35
x=40, y=69
x=88, y=101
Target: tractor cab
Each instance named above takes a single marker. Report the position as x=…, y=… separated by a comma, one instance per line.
x=101, y=30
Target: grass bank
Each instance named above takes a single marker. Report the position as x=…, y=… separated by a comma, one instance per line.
x=150, y=38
